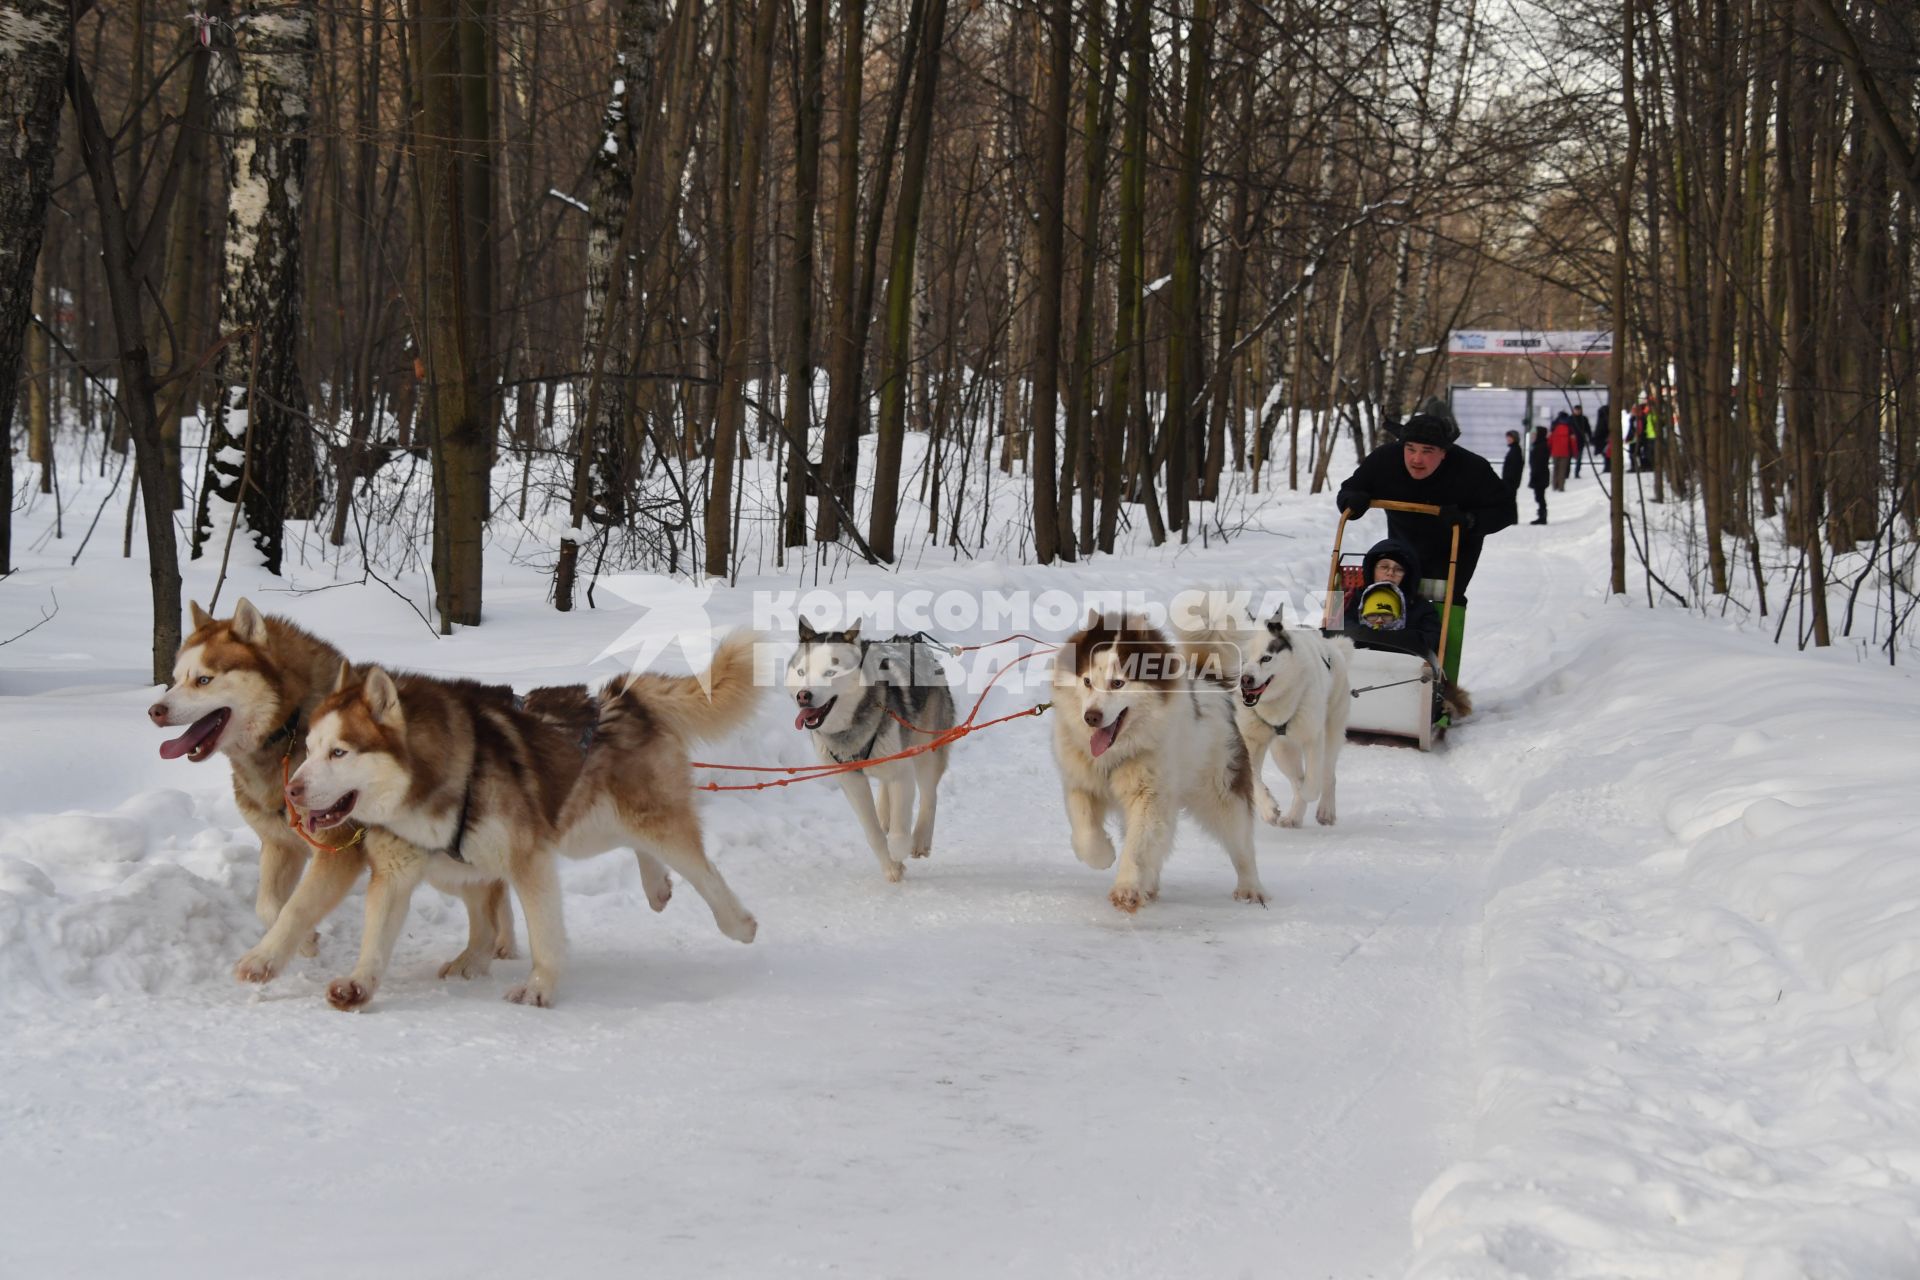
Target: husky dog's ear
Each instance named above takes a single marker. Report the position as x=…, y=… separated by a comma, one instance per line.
x=807, y=634
x=851, y=635
x=1277, y=626
x=201, y=618
x=383, y=698
x=1094, y=619
x=248, y=626
x=343, y=677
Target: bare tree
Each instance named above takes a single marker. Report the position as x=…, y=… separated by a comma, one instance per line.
x=33, y=65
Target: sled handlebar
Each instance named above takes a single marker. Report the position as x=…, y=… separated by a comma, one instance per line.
x=1410, y=508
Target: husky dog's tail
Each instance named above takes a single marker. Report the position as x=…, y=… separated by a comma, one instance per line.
x=697, y=708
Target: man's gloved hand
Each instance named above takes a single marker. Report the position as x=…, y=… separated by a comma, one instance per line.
x=1353, y=502
x=1457, y=516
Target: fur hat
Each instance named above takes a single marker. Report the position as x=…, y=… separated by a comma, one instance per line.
x=1427, y=428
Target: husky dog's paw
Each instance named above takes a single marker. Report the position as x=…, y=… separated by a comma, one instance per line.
x=658, y=895
x=503, y=950
x=1250, y=893
x=529, y=993
x=1096, y=850
x=1291, y=818
x=311, y=947
x=923, y=851
x=468, y=964
x=1266, y=806
x=1126, y=897
x=741, y=928
x=348, y=993
x=1324, y=815
x=256, y=966
x=894, y=870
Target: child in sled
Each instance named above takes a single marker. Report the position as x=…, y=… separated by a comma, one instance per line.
x=1392, y=563
x=1389, y=599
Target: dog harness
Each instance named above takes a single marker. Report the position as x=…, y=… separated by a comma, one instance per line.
x=1280, y=730
x=460, y=831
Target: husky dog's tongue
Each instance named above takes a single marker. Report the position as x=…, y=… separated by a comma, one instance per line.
x=197, y=743
x=334, y=814
x=1103, y=736
x=813, y=717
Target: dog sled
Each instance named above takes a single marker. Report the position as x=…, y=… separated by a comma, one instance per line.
x=1398, y=687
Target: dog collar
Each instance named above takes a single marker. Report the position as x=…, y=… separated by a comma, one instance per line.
x=285, y=732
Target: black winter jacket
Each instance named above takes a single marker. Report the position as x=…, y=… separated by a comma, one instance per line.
x=1423, y=619
x=1463, y=479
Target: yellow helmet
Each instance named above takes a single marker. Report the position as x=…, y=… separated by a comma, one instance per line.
x=1382, y=607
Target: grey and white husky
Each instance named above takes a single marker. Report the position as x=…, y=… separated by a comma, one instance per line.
x=868, y=699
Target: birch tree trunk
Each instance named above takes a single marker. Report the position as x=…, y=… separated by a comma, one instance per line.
x=39, y=385
x=33, y=66
x=263, y=83
x=598, y=435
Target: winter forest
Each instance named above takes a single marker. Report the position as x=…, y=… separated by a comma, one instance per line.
x=461, y=457
x=571, y=269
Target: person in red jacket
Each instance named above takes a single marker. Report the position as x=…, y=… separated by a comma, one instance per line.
x=1560, y=448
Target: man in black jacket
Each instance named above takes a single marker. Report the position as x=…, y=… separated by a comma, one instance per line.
x=1425, y=467
x=1582, y=438
x=1513, y=468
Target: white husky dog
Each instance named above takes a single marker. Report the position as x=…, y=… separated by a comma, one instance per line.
x=1295, y=697
x=1140, y=728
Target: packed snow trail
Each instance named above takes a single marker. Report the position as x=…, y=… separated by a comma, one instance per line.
x=985, y=1069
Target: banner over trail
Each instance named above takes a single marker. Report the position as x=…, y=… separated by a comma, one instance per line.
x=1529, y=342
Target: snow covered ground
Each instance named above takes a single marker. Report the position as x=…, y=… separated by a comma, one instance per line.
x=1622, y=981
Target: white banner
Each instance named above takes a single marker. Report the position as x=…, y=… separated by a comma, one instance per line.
x=1530, y=342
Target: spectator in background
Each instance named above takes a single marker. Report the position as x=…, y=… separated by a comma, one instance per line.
x=1515, y=465
x=1582, y=437
x=1560, y=449
x=1602, y=432
x=1538, y=471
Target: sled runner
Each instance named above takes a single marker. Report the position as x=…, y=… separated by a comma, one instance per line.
x=1397, y=684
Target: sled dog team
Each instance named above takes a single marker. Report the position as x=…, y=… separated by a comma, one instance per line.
x=474, y=788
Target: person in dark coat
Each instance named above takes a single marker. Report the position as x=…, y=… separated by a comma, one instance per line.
x=1539, y=472
x=1514, y=466
x=1602, y=425
x=1582, y=437
x=1425, y=467
x=1391, y=560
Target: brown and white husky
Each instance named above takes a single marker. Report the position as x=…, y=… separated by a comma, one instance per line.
x=247, y=688
x=457, y=785
x=1144, y=729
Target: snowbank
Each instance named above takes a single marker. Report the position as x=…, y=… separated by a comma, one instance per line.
x=1700, y=1032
